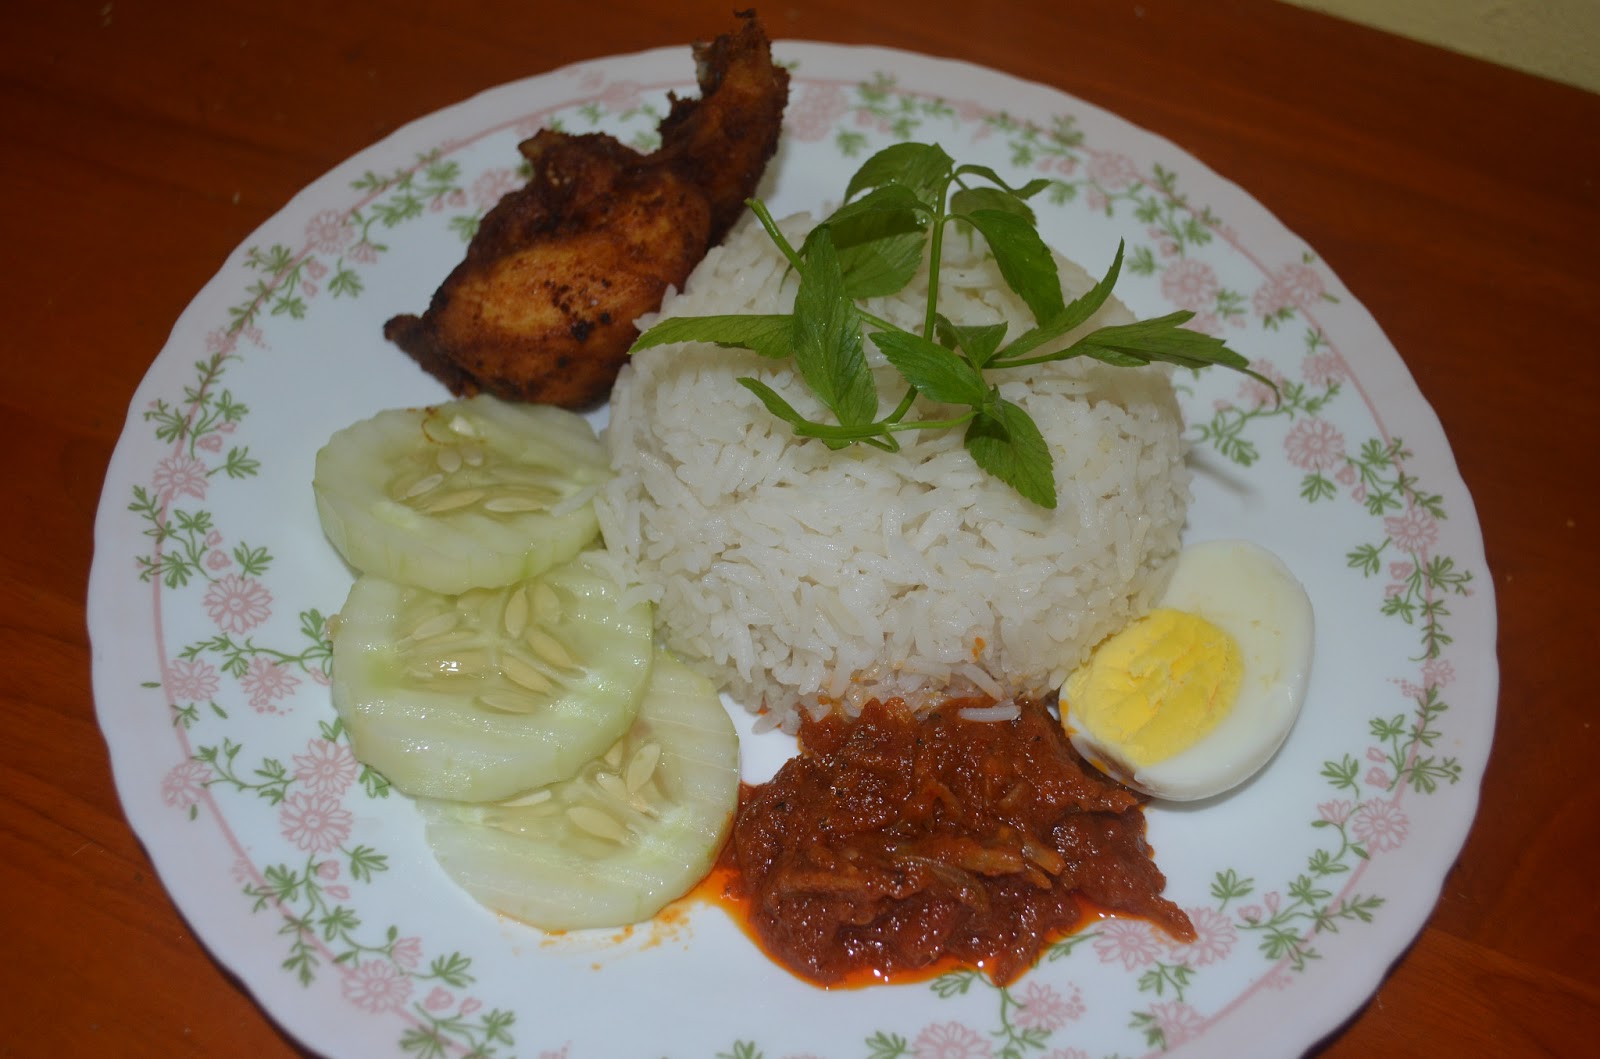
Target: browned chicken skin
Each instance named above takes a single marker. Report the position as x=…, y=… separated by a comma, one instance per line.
x=542, y=308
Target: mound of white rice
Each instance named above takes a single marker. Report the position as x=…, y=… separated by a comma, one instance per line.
x=801, y=577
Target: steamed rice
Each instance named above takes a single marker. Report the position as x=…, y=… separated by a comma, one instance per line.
x=797, y=576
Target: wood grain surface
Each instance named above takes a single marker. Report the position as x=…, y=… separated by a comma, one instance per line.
x=143, y=141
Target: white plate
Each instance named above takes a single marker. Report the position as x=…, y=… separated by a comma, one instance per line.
x=211, y=579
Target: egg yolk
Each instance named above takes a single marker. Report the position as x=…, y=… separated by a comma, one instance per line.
x=1158, y=686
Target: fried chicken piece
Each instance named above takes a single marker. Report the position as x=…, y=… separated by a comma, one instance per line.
x=723, y=140
x=542, y=308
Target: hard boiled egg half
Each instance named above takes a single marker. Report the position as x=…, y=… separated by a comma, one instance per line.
x=1195, y=697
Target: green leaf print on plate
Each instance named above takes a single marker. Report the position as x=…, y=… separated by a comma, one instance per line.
x=304, y=874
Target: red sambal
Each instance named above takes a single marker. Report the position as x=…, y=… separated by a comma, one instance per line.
x=894, y=841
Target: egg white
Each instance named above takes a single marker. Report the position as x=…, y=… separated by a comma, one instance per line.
x=1250, y=594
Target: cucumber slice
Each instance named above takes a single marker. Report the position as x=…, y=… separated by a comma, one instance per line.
x=472, y=494
x=635, y=829
x=489, y=693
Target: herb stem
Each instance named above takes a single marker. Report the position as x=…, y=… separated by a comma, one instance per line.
x=877, y=321
x=935, y=251
x=903, y=407
x=1044, y=358
x=932, y=424
x=764, y=215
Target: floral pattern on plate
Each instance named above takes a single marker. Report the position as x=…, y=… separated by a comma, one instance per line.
x=307, y=875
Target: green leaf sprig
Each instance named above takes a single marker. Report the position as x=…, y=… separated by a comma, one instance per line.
x=900, y=200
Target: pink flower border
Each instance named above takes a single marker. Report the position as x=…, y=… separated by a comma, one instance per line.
x=314, y=819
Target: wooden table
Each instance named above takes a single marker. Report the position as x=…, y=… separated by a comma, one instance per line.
x=1459, y=201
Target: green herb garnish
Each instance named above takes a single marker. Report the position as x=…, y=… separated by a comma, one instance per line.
x=900, y=199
